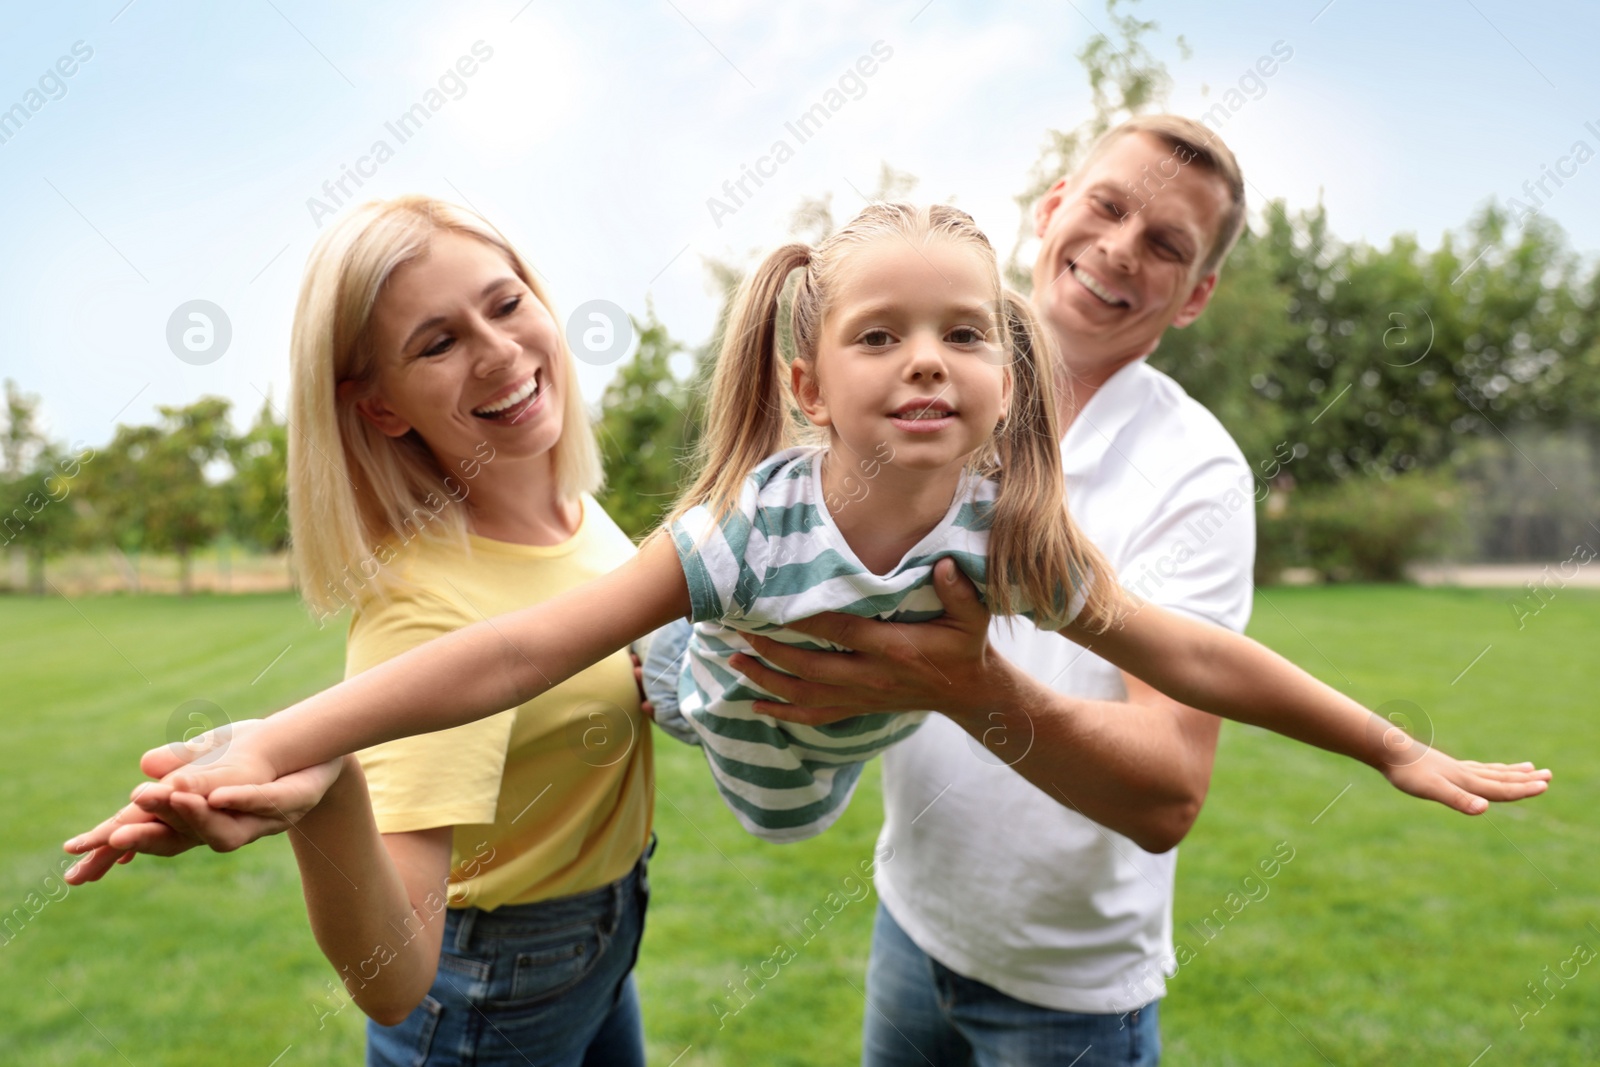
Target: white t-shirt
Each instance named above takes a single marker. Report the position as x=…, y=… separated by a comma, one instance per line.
x=988, y=874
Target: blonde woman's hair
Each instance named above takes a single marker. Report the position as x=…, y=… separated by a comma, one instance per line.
x=1037, y=556
x=353, y=490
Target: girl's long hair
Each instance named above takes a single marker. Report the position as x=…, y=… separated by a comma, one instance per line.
x=353, y=490
x=1037, y=556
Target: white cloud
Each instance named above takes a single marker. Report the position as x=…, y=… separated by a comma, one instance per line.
x=524, y=96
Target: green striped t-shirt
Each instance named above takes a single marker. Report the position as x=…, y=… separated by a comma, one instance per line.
x=776, y=558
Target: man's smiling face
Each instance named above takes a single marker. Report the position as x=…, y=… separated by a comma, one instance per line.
x=1123, y=242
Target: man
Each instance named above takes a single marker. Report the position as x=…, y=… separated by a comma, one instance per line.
x=1025, y=869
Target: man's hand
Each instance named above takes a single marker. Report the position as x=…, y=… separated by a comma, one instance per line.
x=162, y=821
x=944, y=664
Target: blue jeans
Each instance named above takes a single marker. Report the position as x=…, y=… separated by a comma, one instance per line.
x=921, y=1013
x=549, y=983
x=662, y=668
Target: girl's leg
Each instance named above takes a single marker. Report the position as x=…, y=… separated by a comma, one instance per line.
x=662, y=665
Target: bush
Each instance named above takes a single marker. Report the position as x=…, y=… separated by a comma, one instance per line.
x=1363, y=529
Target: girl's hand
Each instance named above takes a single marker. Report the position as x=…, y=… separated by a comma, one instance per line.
x=229, y=758
x=1464, y=785
x=162, y=821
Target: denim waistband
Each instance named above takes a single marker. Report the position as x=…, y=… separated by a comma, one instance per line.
x=603, y=904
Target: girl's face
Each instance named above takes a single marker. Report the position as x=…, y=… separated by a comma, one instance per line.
x=909, y=354
x=465, y=354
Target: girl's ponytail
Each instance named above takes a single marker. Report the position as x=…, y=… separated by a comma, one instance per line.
x=1036, y=551
x=747, y=415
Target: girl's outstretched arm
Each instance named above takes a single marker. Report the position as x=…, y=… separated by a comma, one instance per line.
x=161, y=822
x=1227, y=674
x=472, y=673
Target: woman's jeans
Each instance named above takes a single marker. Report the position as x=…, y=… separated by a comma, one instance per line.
x=549, y=983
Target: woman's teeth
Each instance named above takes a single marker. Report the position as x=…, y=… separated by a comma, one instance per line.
x=489, y=411
x=1088, y=282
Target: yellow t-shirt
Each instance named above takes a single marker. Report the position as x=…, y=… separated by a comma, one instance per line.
x=550, y=798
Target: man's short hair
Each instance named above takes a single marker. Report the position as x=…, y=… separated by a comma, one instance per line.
x=1203, y=148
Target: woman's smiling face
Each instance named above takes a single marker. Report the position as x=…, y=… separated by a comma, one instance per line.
x=464, y=353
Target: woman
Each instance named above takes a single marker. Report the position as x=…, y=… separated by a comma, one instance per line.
x=481, y=891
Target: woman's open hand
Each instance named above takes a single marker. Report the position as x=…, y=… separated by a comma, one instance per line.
x=164, y=821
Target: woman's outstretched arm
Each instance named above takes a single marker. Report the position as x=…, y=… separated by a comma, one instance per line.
x=376, y=901
x=471, y=673
x=161, y=822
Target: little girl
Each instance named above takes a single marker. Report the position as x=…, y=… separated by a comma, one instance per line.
x=928, y=402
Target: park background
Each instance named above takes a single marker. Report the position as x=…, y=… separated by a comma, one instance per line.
x=1405, y=346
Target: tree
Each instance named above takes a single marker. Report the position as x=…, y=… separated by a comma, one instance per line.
x=1383, y=361
x=1388, y=362
x=151, y=492
x=258, y=492
x=35, y=515
x=36, y=480
x=645, y=432
x=118, y=498
x=20, y=439
x=1226, y=359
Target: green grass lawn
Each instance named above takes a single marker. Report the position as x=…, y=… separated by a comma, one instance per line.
x=1400, y=933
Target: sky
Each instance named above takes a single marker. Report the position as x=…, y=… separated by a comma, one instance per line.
x=194, y=151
